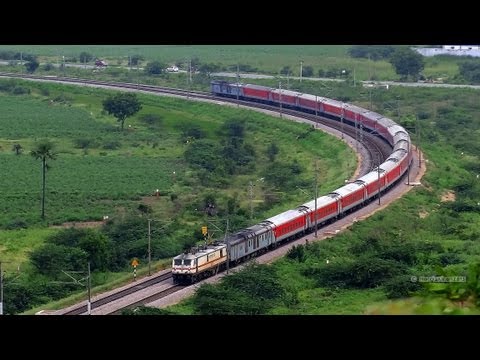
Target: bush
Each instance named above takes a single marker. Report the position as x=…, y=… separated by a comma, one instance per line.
x=365, y=272
x=84, y=143
x=401, y=287
x=297, y=253
x=51, y=259
x=112, y=145
x=252, y=291
x=48, y=67
x=20, y=90
x=151, y=119
x=155, y=68
x=16, y=224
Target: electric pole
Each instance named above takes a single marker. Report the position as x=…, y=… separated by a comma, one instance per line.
x=356, y=136
x=378, y=172
x=149, y=248
x=228, y=247
x=408, y=163
x=190, y=71
x=301, y=70
x=280, y=96
x=238, y=84
x=417, y=130
x=89, y=287
x=250, y=193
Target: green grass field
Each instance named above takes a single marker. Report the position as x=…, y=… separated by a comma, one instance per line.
x=266, y=59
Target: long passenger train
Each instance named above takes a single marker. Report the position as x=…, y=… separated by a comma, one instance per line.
x=259, y=238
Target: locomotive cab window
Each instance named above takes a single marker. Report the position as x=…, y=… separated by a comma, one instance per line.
x=178, y=261
x=187, y=262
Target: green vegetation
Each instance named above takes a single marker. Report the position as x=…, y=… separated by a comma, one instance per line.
x=407, y=63
x=370, y=263
x=124, y=61
x=44, y=151
x=121, y=106
x=102, y=171
x=364, y=62
x=369, y=268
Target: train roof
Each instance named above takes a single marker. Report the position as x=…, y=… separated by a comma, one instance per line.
x=397, y=155
x=347, y=189
x=356, y=109
x=200, y=251
x=371, y=176
x=257, y=87
x=372, y=115
x=401, y=144
x=286, y=92
x=332, y=102
x=389, y=164
x=386, y=122
x=248, y=233
x=284, y=217
x=321, y=201
x=310, y=97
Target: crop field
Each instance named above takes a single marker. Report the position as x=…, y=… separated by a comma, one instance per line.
x=258, y=58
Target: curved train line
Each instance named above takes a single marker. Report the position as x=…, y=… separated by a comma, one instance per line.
x=361, y=121
x=254, y=240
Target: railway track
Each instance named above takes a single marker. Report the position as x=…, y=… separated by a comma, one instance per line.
x=118, y=295
x=149, y=299
x=377, y=149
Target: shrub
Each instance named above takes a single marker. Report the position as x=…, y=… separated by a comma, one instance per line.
x=401, y=286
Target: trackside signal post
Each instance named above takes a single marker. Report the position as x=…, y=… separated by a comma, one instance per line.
x=134, y=264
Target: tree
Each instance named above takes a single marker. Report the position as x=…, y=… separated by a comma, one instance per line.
x=207, y=69
x=44, y=151
x=470, y=71
x=17, y=148
x=122, y=105
x=155, y=68
x=407, y=62
x=373, y=52
x=32, y=65
x=307, y=71
x=85, y=57
x=136, y=59
x=51, y=259
x=272, y=152
x=286, y=70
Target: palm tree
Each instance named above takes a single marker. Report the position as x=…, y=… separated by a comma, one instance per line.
x=44, y=151
x=17, y=148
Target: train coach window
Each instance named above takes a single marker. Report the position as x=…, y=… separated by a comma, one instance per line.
x=177, y=261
